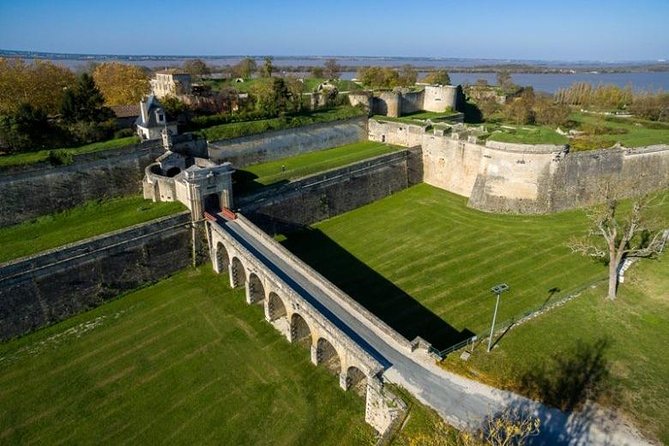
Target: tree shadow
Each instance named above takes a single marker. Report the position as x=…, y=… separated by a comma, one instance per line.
x=376, y=293
x=570, y=378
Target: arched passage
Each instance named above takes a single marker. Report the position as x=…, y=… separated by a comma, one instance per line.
x=299, y=330
x=255, y=292
x=222, y=259
x=356, y=380
x=275, y=307
x=212, y=203
x=327, y=355
x=237, y=273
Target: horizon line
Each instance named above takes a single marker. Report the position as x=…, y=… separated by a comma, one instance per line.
x=315, y=56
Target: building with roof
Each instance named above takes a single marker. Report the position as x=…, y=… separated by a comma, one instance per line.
x=152, y=120
x=171, y=82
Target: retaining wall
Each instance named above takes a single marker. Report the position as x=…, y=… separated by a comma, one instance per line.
x=43, y=189
x=321, y=196
x=283, y=143
x=529, y=179
x=52, y=286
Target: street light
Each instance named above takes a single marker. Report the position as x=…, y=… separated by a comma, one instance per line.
x=497, y=289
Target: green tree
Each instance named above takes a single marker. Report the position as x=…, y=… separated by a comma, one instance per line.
x=317, y=72
x=332, y=70
x=267, y=67
x=245, y=68
x=28, y=128
x=196, y=67
x=521, y=110
x=84, y=102
x=272, y=97
x=407, y=75
x=438, y=77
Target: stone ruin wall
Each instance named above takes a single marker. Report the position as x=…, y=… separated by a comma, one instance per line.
x=278, y=144
x=528, y=179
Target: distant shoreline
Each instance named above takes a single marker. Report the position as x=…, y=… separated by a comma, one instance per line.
x=352, y=63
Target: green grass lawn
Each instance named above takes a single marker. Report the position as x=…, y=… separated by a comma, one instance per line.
x=244, y=128
x=424, y=262
x=605, y=132
x=185, y=361
x=265, y=174
x=434, y=116
x=43, y=155
x=88, y=220
x=528, y=135
x=635, y=329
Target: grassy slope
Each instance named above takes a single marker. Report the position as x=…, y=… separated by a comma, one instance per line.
x=637, y=134
x=42, y=155
x=317, y=161
x=422, y=252
x=636, y=328
x=184, y=361
x=88, y=220
x=535, y=135
x=421, y=259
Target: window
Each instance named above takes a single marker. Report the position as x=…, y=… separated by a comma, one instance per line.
x=160, y=116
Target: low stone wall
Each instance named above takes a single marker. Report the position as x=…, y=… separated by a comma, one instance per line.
x=53, y=285
x=283, y=143
x=321, y=196
x=42, y=189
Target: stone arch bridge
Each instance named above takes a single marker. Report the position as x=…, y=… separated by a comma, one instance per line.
x=364, y=352
x=288, y=307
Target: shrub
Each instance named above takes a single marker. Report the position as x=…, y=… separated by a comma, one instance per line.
x=60, y=157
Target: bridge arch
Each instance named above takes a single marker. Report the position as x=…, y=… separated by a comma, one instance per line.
x=328, y=356
x=356, y=380
x=222, y=258
x=255, y=291
x=300, y=332
x=237, y=273
x=276, y=309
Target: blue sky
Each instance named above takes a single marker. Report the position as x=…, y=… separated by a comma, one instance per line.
x=611, y=30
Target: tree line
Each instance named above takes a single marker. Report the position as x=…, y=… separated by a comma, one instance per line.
x=648, y=105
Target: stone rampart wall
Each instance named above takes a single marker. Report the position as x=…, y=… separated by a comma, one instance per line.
x=52, y=286
x=321, y=196
x=520, y=178
x=44, y=189
x=283, y=143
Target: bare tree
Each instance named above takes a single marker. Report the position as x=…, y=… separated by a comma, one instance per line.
x=616, y=234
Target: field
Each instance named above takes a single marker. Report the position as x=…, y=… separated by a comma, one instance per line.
x=87, y=220
x=43, y=155
x=265, y=174
x=528, y=135
x=601, y=131
x=185, y=361
x=632, y=335
x=244, y=128
x=424, y=262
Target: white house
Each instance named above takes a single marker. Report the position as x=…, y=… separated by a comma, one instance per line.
x=152, y=120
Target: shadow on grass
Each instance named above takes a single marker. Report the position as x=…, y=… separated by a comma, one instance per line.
x=246, y=183
x=380, y=296
x=570, y=378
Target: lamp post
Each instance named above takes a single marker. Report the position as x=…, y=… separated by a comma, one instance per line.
x=497, y=289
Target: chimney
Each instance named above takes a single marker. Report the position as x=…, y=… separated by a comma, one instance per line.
x=144, y=109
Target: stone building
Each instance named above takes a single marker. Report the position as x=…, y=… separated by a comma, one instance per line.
x=152, y=120
x=171, y=82
x=401, y=101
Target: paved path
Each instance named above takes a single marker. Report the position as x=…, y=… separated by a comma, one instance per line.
x=460, y=401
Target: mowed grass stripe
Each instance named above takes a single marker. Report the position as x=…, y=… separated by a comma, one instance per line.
x=188, y=346
x=445, y=256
